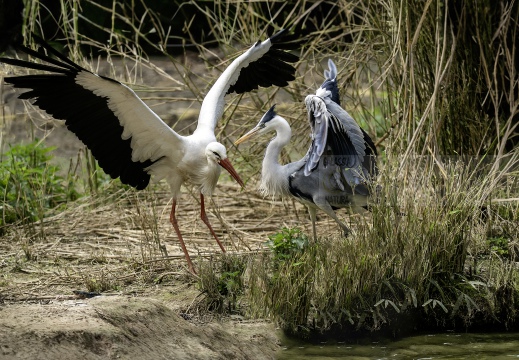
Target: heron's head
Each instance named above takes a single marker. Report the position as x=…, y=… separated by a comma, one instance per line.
x=217, y=153
x=268, y=122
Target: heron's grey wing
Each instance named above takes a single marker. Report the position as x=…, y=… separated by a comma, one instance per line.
x=319, y=123
x=334, y=129
x=346, y=133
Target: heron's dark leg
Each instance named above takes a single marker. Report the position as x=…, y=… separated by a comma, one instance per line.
x=173, y=221
x=204, y=218
x=328, y=210
x=313, y=217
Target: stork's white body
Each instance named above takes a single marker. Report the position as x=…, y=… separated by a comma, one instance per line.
x=183, y=159
x=128, y=139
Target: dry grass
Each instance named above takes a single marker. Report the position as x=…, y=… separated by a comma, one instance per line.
x=422, y=260
x=124, y=242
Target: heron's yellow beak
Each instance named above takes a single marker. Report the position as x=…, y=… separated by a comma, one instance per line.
x=247, y=136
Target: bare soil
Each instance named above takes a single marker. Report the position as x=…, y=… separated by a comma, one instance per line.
x=124, y=327
x=150, y=306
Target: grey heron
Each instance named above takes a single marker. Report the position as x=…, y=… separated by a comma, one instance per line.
x=341, y=161
x=128, y=139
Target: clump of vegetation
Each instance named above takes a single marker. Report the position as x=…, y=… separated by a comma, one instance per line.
x=30, y=184
x=287, y=243
x=105, y=281
x=221, y=282
x=425, y=261
x=292, y=257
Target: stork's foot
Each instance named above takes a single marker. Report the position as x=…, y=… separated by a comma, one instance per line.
x=190, y=265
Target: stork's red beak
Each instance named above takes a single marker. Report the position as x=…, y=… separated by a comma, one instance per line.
x=226, y=164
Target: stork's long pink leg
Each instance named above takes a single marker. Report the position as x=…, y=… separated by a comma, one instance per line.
x=204, y=218
x=173, y=221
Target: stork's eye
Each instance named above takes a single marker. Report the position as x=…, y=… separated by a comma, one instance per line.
x=217, y=155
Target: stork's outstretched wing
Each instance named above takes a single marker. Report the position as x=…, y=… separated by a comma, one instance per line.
x=263, y=64
x=124, y=135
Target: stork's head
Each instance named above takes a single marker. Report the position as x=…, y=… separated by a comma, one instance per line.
x=268, y=122
x=216, y=153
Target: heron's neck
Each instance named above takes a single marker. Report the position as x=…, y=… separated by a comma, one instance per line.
x=283, y=135
x=274, y=181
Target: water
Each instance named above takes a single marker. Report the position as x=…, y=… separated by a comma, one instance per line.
x=437, y=346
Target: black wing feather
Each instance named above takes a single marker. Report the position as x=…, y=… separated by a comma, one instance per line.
x=341, y=146
x=90, y=119
x=273, y=68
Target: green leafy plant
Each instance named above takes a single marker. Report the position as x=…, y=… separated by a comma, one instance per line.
x=287, y=242
x=499, y=245
x=29, y=184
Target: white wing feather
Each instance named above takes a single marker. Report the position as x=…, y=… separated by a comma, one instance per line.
x=213, y=104
x=151, y=137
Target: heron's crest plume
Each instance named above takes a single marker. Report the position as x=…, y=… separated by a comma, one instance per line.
x=269, y=115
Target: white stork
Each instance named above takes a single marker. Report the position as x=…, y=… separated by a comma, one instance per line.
x=128, y=139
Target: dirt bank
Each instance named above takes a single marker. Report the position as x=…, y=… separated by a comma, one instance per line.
x=120, y=327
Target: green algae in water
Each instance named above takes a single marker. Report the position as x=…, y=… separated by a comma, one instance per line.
x=434, y=346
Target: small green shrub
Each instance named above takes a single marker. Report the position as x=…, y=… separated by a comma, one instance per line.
x=29, y=184
x=287, y=242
